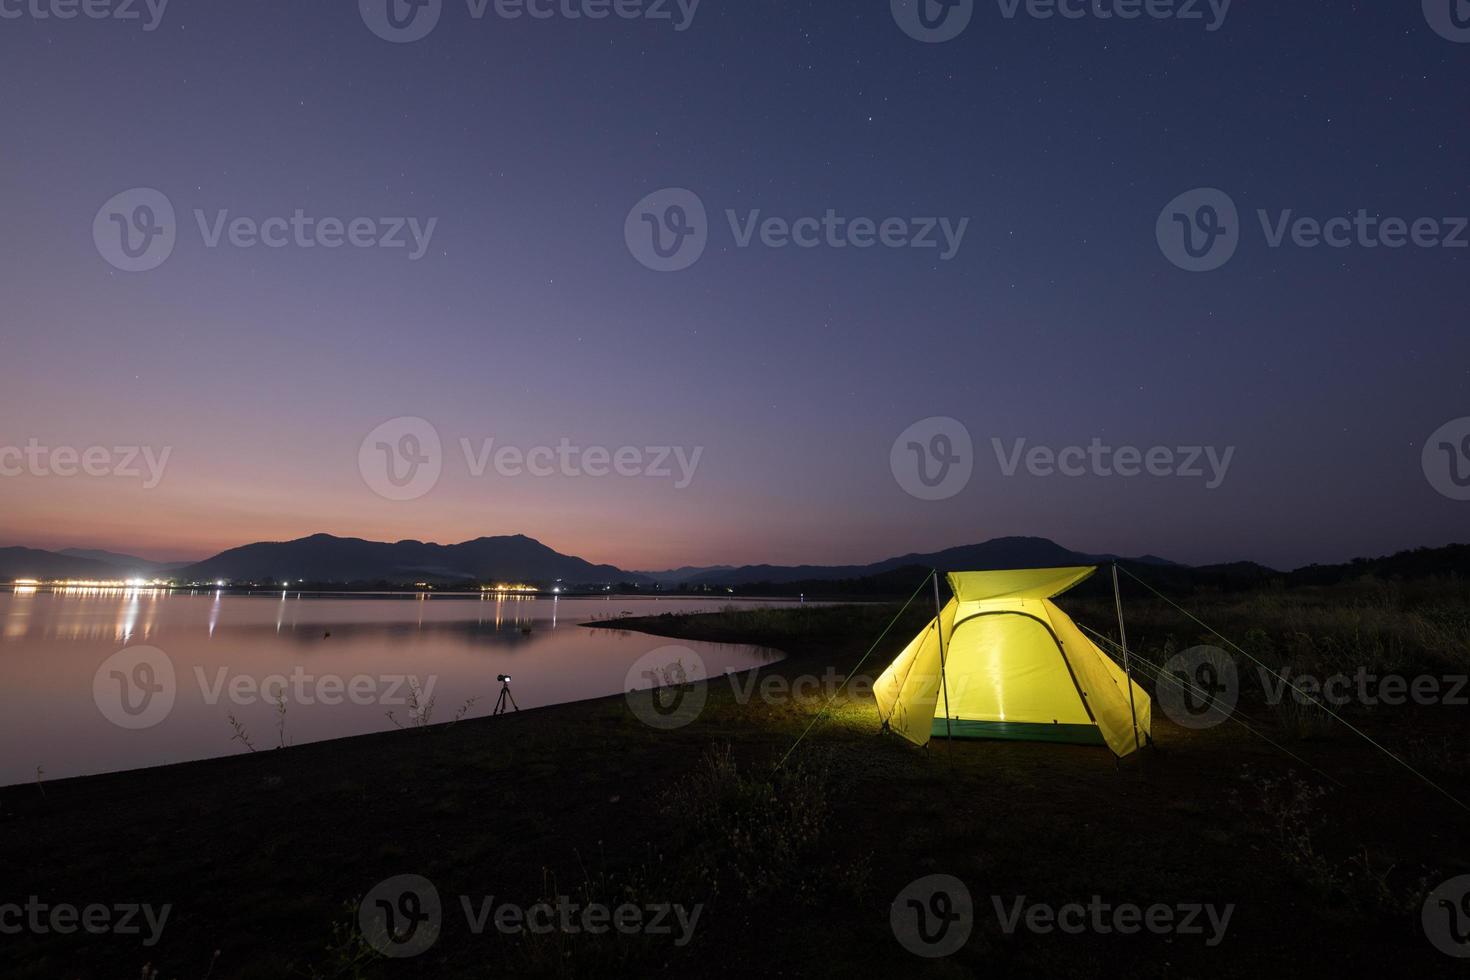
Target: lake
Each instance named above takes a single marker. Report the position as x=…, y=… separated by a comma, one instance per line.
x=100, y=680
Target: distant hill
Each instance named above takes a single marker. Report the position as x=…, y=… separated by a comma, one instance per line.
x=1013, y=552
x=1419, y=563
x=124, y=563
x=30, y=563
x=323, y=558
x=688, y=573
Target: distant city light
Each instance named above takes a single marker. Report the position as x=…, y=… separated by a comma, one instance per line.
x=73, y=583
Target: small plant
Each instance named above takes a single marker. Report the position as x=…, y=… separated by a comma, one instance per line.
x=281, y=721
x=585, y=954
x=1301, y=715
x=464, y=709
x=1290, y=804
x=240, y=735
x=753, y=834
x=420, y=712
x=1438, y=754
x=347, y=954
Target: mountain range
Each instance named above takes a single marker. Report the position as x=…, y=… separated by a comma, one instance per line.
x=80, y=563
x=323, y=559
x=1014, y=552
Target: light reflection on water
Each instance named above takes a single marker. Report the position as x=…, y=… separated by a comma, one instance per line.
x=52, y=644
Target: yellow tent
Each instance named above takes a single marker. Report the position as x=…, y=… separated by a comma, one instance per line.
x=1002, y=661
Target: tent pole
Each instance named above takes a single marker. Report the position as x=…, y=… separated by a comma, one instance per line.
x=1127, y=668
x=943, y=678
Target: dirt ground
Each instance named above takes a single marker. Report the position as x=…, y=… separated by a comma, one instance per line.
x=1323, y=863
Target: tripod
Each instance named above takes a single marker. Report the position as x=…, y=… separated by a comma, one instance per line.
x=504, y=695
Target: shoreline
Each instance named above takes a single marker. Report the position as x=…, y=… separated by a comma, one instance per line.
x=264, y=856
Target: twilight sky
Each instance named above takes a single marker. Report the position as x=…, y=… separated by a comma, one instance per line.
x=529, y=319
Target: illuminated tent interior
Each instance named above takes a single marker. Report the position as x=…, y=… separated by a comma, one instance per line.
x=1002, y=661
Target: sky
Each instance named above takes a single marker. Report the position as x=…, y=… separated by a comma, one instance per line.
x=840, y=400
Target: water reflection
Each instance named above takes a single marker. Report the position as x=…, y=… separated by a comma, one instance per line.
x=53, y=642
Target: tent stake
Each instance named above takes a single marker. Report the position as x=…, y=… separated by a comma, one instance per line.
x=1127, y=668
x=943, y=678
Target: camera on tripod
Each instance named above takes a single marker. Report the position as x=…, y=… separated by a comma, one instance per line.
x=505, y=695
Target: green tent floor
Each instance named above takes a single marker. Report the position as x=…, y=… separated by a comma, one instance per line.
x=1017, y=731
